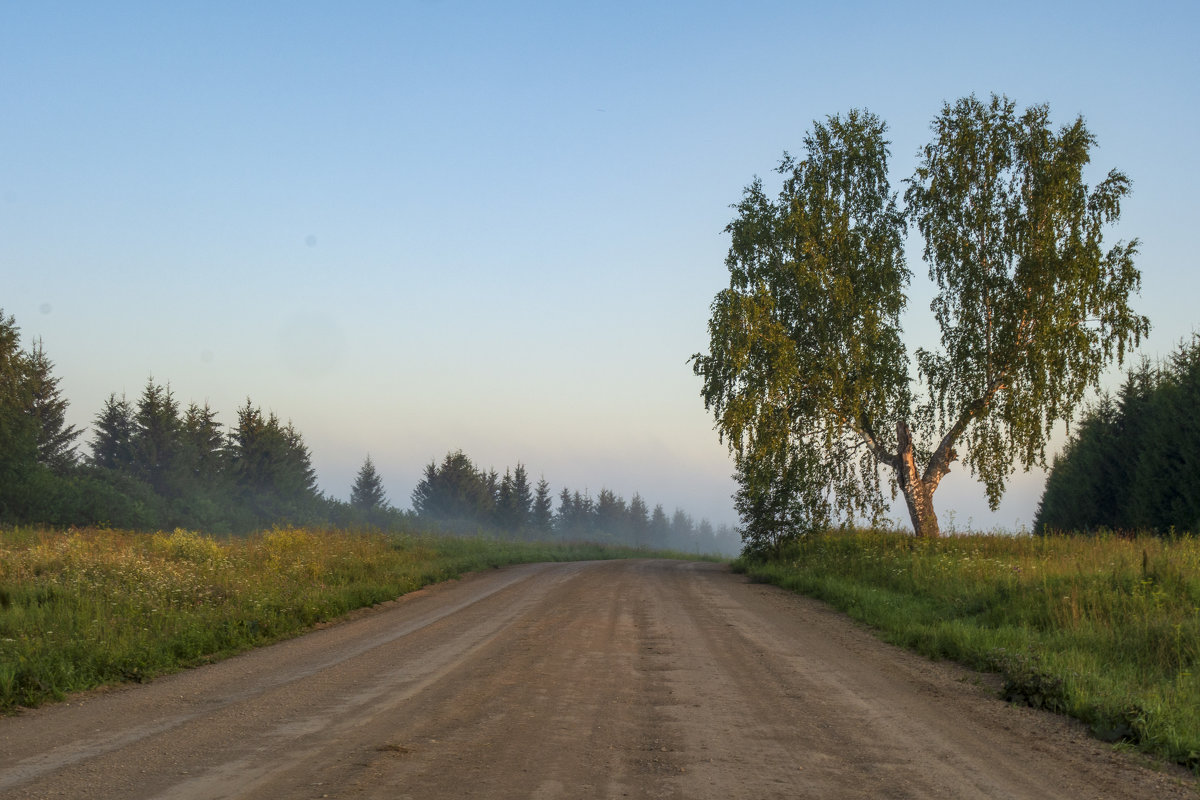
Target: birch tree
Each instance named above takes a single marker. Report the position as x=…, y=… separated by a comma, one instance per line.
x=807, y=373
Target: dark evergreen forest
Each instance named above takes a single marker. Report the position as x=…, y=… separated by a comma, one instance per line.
x=151, y=463
x=1133, y=463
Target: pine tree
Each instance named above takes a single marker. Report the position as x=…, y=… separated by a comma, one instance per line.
x=456, y=492
x=1079, y=492
x=660, y=528
x=367, y=493
x=156, y=438
x=505, y=516
x=204, y=444
x=542, y=514
x=639, y=520
x=576, y=515
x=298, y=477
x=56, y=439
x=683, y=531
x=272, y=467
x=611, y=516
x=18, y=429
x=250, y=450
x=491, y=482
x=564, y=519
x=1133, y=465
x=112, y=436
x=522, y=500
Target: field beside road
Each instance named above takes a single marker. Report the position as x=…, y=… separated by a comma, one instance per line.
x=1103, y=628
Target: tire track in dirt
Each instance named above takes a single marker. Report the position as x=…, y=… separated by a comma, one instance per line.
x=653, y=679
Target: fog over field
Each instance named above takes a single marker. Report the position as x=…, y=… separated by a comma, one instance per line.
x=412, y=228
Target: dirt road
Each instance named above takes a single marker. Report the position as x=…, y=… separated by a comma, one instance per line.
x=610, y=679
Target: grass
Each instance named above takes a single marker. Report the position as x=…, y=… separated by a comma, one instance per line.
x=1105, y=629
x=93, y=607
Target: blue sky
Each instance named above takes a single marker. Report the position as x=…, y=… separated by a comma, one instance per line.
x=412, y=227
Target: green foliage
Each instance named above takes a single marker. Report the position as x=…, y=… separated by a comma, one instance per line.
x=807, y=375
x=36, y=445
x=272, y=469
x=611, y=516
x=156, y=439
x=805, y=343
x=112, y=435
x=1032, y=309
x=367, y=494
x=575, y=517
x=1133, y=464
x=660, y=527
x=18, y=431
x=56, y=439
x=1087, y=484
x=542, y=510
x=639, y=521
x=1103, y=628
x=455, y=494
x=514, y=501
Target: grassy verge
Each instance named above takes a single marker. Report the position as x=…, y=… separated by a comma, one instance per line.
x=94, y=607
x=1105, y=629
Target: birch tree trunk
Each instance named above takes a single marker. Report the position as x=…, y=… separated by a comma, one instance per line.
x=918, y=493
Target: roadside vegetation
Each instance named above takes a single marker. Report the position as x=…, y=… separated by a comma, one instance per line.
x=95, y=607
x=1103, y=628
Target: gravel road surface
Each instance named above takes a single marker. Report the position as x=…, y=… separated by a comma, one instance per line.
x=601, y=679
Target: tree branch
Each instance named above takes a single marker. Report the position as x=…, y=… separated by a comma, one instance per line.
x=867, y=434
x=945, y=454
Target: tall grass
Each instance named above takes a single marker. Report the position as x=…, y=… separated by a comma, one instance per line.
x=1106, y=629
x=92, y=607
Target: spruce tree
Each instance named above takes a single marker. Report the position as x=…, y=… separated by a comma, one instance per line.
x=660, y=528
x=611, y=516
x=683, y=531
x=522, y=500
x=156, y=438
x=112, y=435
x=203, y=443
x=455, y=492
x=298, y=477
x=564, y=519
x=55, y=438
x=272, y=467
x=18, y=430
x=505, y=517
x=367, y=493
x=542, y=513
x=639, y=520
x=1133, y=465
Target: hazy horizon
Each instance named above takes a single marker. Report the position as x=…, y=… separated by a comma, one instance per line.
x=423, y=227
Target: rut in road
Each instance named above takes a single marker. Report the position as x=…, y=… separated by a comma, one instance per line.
x=599, y=679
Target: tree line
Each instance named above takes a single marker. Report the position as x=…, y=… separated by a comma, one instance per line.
x=153, y=463
x=150, y=462
x=1133, y=462
x=458, y=495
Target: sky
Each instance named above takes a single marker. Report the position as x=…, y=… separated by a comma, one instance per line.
x=417, y=227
